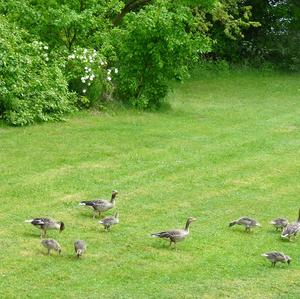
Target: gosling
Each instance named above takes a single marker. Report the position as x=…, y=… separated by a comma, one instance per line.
x=51, y=244
x=80, y=247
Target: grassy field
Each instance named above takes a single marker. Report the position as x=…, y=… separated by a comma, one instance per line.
x=229, y=147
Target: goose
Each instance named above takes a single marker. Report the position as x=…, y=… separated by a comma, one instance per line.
x=45, y=223
x=175, y=235
x=279, y=223
x=51, y=244
x=101, y=205
x=291, y=229
x=275, y=257
x=107, y=222
x=246, y=221
x=80, y=247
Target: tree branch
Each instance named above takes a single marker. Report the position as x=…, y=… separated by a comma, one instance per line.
x=132, y=5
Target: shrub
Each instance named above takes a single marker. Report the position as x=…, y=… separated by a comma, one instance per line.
x=154, y=46
x=32, y=86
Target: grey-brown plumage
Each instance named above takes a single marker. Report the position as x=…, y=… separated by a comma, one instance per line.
x=245, y=221
x=291, y=229
x=51, y=244
x=175, y=235
x=80, y=247
x=101, y=205
x=109, y=221
x=279, y=223
x=275, y=257
x=46, y=224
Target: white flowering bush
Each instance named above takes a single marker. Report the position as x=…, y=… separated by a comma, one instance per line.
x=89, y=75
x=32, y=88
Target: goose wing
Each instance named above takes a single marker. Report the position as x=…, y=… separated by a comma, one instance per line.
x=169, y=234
x=40, y=221
x=107, y=220
x=79, y=244
x=274, y=256
x=291, y=229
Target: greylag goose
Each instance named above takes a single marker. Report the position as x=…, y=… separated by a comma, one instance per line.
x=275, y=257
x=279, y=223
x=107, y=222
x=51, y=244
x=101, y=205
x=79, y=247
x=175, y=235
x=245, y=221
x=45, y=224
x=291, y=229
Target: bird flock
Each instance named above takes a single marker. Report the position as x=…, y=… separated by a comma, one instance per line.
x=289, y=230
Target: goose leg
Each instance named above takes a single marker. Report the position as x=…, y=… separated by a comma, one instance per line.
x=48, y=252
x=175, y=247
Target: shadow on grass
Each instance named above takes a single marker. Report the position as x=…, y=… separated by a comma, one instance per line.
x=244, y=232
x=166, y=246
x=32, y=234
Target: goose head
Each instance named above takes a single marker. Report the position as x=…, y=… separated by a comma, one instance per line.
x=288, y=259
x=62, y=226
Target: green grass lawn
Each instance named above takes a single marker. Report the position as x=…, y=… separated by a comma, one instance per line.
x=228, y=147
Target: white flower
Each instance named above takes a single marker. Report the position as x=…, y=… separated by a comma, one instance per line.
x=108, y=71
x=102, y=63
x=46, y=58
x=109, y=78
x=85, y=51
x=72, y=56
x=46, y=47
x=92, y=77
x=84, y=90
x=116, y=71
x=89, y=84
x=82, y=79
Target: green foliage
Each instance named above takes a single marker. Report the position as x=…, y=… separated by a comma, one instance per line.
x=32, y=87
x=64, y=24
x=275, y=41
x=150, y=42
x=153, y=47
